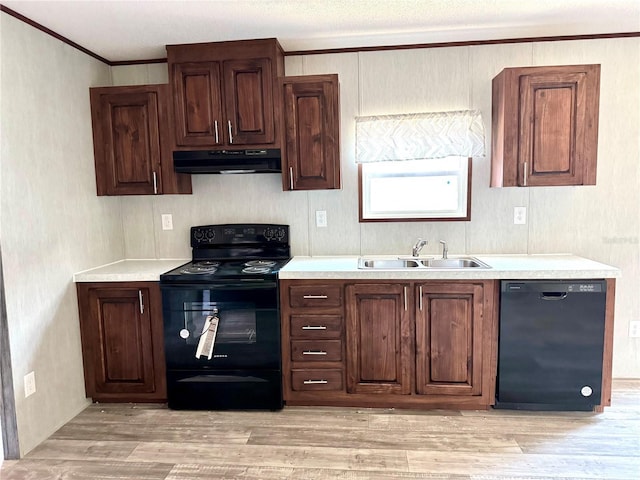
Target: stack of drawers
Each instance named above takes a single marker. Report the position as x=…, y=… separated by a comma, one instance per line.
x=313, y=334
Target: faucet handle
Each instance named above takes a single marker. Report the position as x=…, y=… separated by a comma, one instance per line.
x=418, y=246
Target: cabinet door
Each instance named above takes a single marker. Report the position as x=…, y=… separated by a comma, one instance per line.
x=378, y=339
x=197, y=104
x=545, y=126
x=126, y=137
x=554, y=121
x=449, y=329
x=122, y=342
x=312, y=131
x=248, y=94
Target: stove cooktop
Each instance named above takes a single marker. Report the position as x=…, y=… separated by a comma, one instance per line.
x=218, y=270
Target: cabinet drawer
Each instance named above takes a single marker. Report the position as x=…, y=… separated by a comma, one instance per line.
x=309, y=380
x=316, y=350
x=316, y=326
x=315, y=296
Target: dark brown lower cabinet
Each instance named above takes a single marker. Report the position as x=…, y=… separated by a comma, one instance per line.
x=122, y=341
x=378, y=339
x=406, y=344
x=449, y=341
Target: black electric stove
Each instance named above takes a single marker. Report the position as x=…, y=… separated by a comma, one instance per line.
x=204, y=271
x=221, y=319
x=233, y=252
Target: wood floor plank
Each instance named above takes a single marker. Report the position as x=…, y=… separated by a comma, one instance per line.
x=39, y=469
x=579, y=445
x=152, y=432
x=363, y=438
x=290, y=416
x=273, y=456
x=83, y=450
x=209, y=472
x=593, y=467
x=511, y=424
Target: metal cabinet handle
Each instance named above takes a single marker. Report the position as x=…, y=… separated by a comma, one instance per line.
x=215, y=125
x=315, y=296
x=290, y=178
x=314, y=352
x=315, y=382
x=155, y=183
x=526, y=172
x=314, y=327
x=230, y=132
x=141, y=302
x=405, y=299
x=420, y=293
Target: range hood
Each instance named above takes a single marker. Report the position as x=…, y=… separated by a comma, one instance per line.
x=228, y=161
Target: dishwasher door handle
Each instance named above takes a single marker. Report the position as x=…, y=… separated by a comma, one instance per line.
x=553, y=295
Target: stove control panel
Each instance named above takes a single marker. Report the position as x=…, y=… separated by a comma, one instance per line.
x=233, y=234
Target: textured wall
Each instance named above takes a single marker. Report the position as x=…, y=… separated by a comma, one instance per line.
x=52, y=222
x=600, y=222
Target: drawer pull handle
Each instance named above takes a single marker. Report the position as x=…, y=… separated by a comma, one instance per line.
x=315, y=382
x=314, y=327
x=316, y=296
x=313, y=352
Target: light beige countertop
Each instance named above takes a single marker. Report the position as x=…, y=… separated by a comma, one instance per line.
x=509, y=267
x=129, y=271
x=514, y=267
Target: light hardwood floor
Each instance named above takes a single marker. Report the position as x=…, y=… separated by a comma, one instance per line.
x=150, y=442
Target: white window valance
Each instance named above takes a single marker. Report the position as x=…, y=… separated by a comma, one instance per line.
x=416, y=136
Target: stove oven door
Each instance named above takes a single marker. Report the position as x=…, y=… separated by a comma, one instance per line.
x=248, y=326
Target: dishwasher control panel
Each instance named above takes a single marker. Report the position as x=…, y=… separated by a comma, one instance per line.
x=545, y=286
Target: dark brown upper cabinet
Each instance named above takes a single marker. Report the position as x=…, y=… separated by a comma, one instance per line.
x=224, y=93
x=545, y=126
x=311, y=153
x=131, y=141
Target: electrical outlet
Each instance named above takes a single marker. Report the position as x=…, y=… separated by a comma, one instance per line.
x=634, y=329
x=167, y=221
x=520, y=215
x=321, y=218
x=29, y=384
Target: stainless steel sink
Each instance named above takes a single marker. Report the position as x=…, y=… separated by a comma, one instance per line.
x=387, y=264
x=426, y=263
x=467, y=262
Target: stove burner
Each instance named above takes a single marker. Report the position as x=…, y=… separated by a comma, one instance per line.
x=200, y=268
x=256, y=270
x=207, y=263
x=260, y=263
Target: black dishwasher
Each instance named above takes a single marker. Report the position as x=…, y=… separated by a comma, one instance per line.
x=550, y=344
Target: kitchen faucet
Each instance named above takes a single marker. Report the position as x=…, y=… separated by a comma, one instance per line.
x=445, y=249
x=417, y=247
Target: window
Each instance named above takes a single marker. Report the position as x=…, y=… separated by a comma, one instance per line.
x=417, y=166
x=415, y=190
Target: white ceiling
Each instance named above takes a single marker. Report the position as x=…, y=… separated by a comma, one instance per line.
x=137, y=30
